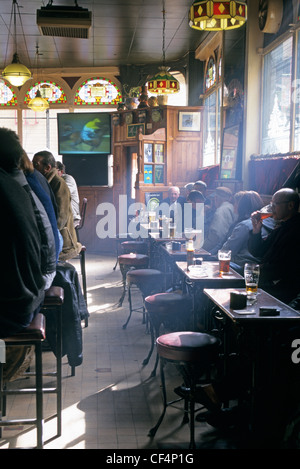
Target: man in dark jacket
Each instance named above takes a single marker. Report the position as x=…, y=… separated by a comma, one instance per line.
x=280, y=254
x=22, y=285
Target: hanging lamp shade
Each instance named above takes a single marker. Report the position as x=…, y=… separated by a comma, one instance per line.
x=215, y=16
x=163, y=82
x=38, y=103
x=16, y=73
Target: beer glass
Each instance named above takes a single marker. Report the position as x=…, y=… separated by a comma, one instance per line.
x=251, y=275
x=224, y=261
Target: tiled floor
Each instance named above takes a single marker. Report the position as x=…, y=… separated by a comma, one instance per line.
x=111, y=402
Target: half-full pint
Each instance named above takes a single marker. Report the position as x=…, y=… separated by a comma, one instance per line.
x=224, y=265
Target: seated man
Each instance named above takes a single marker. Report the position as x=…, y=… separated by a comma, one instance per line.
x=45, y=162
x=279, y=253
x=71, y=183
x=221, y=222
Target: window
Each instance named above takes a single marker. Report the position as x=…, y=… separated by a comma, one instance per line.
x=49, y=90
x=97, y=91
x=40, y=131
x=211, y=129
x=276, y=106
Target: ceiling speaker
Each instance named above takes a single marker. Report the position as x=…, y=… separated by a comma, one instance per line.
x=74, y=22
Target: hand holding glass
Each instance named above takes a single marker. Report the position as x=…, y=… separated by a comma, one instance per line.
x=251, y=275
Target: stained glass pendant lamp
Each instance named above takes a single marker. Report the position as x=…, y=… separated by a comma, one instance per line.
x=163, y=82
x=215, y=16
x=16, y=73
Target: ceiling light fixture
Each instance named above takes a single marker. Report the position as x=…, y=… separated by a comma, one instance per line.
x=215, y=16
x=163, y=82
x=38, y=104
x=16, y=73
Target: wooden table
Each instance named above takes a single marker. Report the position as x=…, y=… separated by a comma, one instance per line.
x=206, y=275
x=266, y=343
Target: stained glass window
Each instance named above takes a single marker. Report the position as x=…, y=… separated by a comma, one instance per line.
x=7, y=95
x=97, y=91
x=49, y=90
x=211, y=73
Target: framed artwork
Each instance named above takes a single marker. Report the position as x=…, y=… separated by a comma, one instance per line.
x=159, y=152
x=159, y=174
x=133, y=129
x=230, y=145
x=189, y=121
x=148, y=174
x=148, y=155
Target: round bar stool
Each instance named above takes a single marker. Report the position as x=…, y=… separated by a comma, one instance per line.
x=193, y=354
x=148, y=281
x=128, y=262
x=173, y=311
x=137, y=247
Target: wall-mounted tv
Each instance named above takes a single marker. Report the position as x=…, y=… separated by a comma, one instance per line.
x=84, y=132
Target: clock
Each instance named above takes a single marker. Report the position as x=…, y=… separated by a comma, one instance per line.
x=155, y=115
x=270, y=15
x=129, y=118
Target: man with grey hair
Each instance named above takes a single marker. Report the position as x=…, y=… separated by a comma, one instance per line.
x=279, y=252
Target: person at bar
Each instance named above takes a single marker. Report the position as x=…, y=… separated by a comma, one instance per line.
x=245, y=203
x=71, y=183
x=45, y=162
x=279, y=252
x=221, y=222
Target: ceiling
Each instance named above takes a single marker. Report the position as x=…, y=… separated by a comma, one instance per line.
x=123, y=32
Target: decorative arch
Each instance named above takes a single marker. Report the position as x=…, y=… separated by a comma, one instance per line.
x=97, y=91
x=8, y=97
x=50, y=90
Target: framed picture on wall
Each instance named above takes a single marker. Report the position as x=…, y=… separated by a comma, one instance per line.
x=134, y=129
x=148, y=155
x=230, y=145
x=189, y=121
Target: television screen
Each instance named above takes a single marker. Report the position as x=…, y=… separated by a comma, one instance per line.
x=84, y=132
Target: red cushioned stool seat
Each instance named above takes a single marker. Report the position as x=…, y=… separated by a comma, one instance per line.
x=173, y=311
x=138, y=247
x=147, y=281
x=128, y=262
x=193, y=354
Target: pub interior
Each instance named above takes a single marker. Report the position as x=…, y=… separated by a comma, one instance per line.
x=178, y=122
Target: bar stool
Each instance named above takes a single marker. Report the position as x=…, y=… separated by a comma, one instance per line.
x=137, y=247
x=173, y=310
x=128, y=262
x=148, y=281
x=34, y=335
x=193, y=354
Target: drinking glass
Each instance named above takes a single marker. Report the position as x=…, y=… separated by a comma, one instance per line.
x=251, y=275
x=265, y=212
x=172, y=227
x=224, y=261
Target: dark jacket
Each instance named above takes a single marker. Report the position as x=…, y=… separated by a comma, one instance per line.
x=280, y=259
x=74, y=310
x=22, y=285
x=48, y=259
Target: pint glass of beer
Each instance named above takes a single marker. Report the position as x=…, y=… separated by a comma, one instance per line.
x=224, y=261
x=251, y=275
